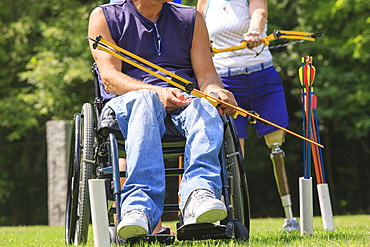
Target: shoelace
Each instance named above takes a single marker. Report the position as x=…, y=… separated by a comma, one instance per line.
x=202, y=195
x=136, y=213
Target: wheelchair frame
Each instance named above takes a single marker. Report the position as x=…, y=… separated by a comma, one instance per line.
x=96, y=155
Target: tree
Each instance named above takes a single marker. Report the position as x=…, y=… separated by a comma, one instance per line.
x=48, y=77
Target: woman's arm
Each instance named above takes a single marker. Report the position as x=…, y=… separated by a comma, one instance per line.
x=202, y=6
x=258, y=10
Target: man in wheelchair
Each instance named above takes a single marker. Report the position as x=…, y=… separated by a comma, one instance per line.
x=174, y=37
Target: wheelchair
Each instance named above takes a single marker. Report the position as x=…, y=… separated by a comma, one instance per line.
x=94, y=154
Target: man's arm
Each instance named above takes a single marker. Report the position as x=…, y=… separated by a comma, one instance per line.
x=204, y=70
x=110, y=68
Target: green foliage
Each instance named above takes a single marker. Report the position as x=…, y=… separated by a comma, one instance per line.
x=189, y=2
x=46, y=75
x=49, y=65
x=341, y=57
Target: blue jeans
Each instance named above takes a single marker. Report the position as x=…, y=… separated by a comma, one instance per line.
x=141, y=115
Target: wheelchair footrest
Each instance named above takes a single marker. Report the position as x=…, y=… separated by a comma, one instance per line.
x=203, y=231
x=151, y=238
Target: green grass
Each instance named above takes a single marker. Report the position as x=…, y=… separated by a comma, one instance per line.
x=352, y=230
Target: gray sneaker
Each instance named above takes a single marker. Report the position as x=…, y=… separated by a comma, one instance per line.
x=291, y=225
x=133, y=223
x=203, y=207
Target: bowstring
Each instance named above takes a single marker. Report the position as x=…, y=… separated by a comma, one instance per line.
x=277, y=46
x=286, y=44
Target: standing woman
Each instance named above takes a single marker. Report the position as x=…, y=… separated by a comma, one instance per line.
x=252, y=79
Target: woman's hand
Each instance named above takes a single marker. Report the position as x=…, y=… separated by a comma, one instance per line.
x=253, y=38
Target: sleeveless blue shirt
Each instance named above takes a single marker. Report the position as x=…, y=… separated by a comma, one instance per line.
x=166, y=42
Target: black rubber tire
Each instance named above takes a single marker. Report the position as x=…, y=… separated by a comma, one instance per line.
x=73, y=171
x=239, y=195
x=81, y=170
x=87, y=140
x=241, y=232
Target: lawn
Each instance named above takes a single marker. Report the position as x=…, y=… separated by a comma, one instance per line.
x=351, y=230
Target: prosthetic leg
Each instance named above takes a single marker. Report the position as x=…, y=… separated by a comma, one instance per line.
x=274, y=140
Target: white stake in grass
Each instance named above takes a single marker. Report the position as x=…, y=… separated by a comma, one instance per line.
x=306, y=205
x=99, y=212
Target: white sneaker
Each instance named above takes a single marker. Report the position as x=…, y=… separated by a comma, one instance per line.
x=133, y=223
x=203, y=207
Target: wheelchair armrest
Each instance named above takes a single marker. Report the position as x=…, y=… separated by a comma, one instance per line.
x=107, y=123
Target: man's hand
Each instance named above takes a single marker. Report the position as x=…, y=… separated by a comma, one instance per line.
x=172, y=99
x=224, y=95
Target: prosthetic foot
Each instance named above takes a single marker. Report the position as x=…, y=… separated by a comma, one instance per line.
x=291, y=224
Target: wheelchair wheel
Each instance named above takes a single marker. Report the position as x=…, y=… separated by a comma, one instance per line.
x=72, y=186
x=239, y=188
x=80, y=170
